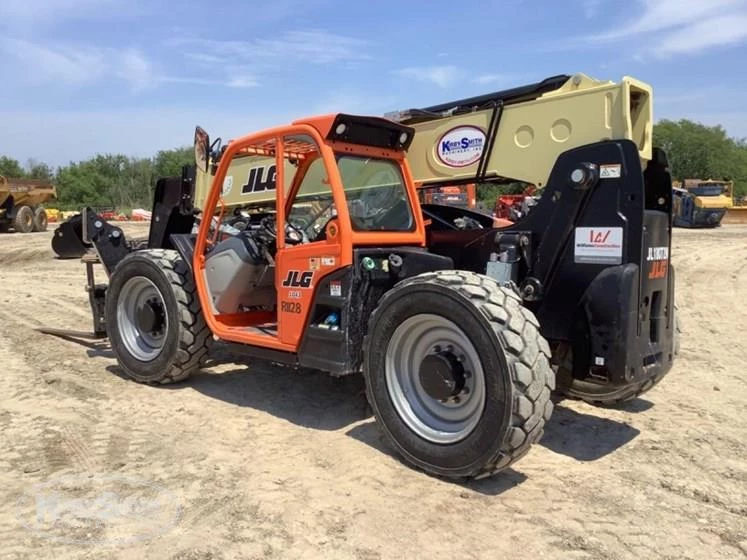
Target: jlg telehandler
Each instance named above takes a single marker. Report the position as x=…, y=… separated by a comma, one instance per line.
x=456, y=325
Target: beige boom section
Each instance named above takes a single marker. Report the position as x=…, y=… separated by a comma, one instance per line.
x=21, y=204
x=531, y=134
x=449, y=148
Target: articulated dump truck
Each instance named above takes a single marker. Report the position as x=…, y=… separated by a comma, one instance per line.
x=308, y=244
x=21, y=204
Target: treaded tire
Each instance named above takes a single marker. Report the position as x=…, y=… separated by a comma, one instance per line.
x=187, y=337
x=24, y=220
x=514, y=358
x=40, y=219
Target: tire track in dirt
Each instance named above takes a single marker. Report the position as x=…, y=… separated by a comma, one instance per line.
x=266, y=464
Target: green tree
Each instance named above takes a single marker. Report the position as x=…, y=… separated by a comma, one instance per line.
x=39, y=170
x=10, y=167
x=169, y=163
x=488, y=193
x=697, y=151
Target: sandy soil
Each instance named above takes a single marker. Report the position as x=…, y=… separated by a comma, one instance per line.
x=270, y=463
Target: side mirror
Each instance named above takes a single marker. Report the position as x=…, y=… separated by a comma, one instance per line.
x=202, y=149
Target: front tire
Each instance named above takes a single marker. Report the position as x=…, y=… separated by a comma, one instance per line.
x=153, y=317
x=457, y=374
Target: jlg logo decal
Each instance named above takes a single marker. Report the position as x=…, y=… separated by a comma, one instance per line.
x=298, y=279
x=259, y=181
x=658, y=270
x=659, y=259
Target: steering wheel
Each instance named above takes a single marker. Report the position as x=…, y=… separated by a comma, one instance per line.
x=293, y=235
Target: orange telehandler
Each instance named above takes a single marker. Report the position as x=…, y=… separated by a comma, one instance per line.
x=455, y=324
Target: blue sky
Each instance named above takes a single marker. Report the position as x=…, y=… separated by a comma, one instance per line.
x=134, y=76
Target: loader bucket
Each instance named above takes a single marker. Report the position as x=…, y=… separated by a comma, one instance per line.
x=735, y=215
x=67, y=242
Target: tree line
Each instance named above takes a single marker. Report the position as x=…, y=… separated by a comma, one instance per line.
x=694, y=150
x=105, y=180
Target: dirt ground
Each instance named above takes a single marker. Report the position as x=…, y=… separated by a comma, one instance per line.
x=265, y=462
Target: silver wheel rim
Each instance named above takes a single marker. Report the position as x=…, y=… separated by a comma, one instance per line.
x=136, y=293
x=430, y=418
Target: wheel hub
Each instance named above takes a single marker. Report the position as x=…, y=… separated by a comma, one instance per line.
x=142, y=319
x=441, y=375
x=150, y=316
x=435, y=378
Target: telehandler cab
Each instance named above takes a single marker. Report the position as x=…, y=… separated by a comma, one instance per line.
x=455, y=324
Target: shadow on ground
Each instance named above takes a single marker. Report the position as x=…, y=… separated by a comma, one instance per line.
x=370, y=434
x=585, y=437
x=307, y=398
x=316, y=400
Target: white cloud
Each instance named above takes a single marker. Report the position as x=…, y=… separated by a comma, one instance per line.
x=442, y=76
x=311, y=46
x=135, y=69
x=668, y=14
x=668, y=27
x=713, y=32
x=62, y=64
x=74, y=65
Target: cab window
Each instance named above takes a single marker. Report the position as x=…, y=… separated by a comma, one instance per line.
x=376, y=195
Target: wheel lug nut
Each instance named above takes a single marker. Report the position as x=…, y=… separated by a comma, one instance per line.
x=437, y=349
x=467, y=374
x=465, y=391
x=457, y=400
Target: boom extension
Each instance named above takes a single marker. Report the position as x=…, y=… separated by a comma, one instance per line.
x=518, y=134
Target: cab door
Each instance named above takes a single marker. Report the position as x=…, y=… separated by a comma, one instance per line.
x=312, y=246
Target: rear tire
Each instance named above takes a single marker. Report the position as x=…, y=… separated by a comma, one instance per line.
x=468, y=321
x=153, y=317
x=40, y=219
x=24, y=220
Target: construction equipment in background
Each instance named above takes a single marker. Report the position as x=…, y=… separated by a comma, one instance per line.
x=514, y=207
x=462, y=196
x=21, y=203
x=700, y=203
x=737, y=212
x=453, y=323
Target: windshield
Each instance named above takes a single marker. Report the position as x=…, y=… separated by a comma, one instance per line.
x=376, y=194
